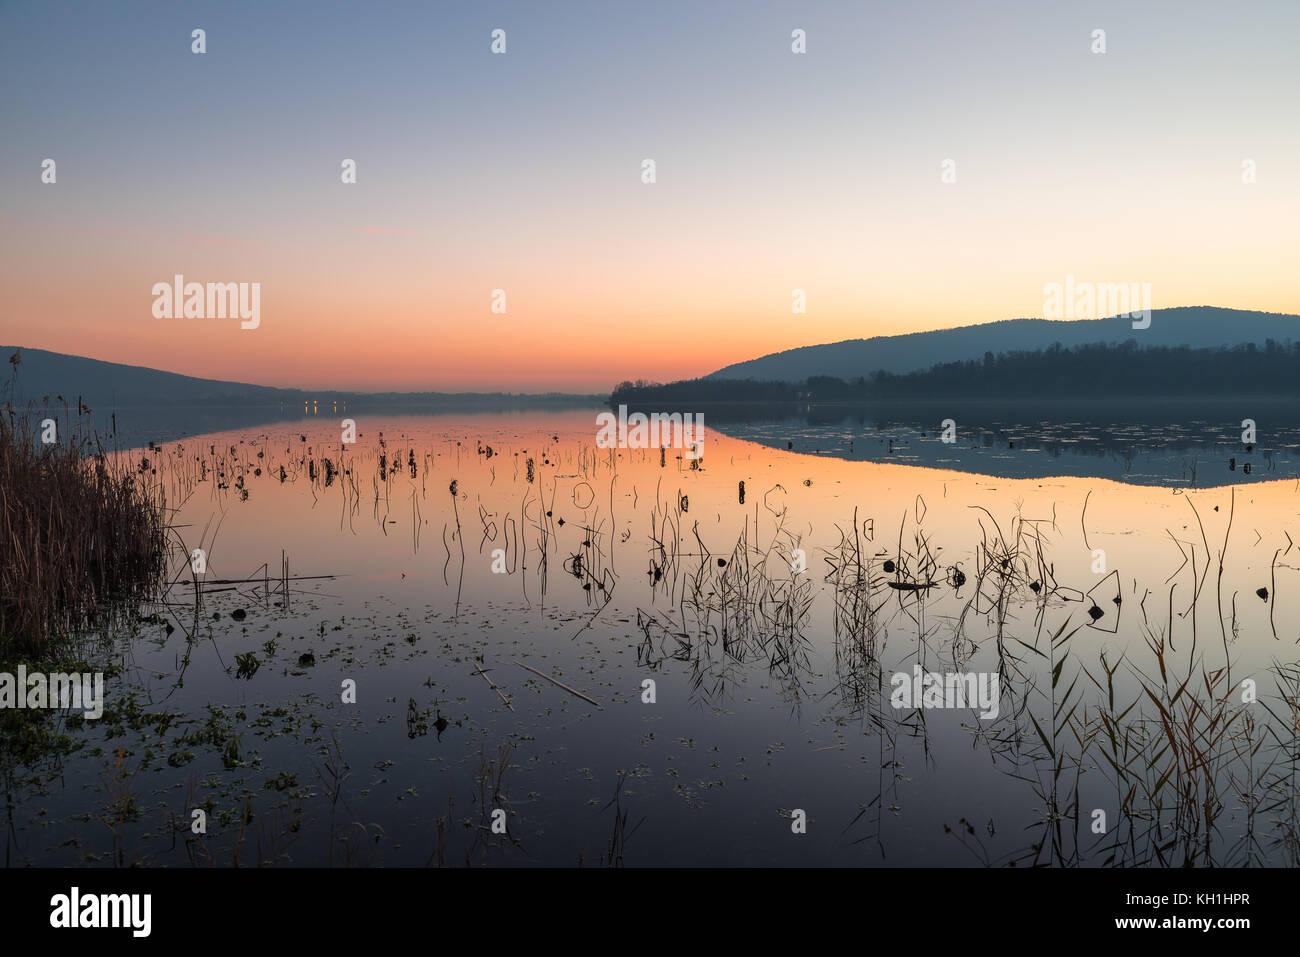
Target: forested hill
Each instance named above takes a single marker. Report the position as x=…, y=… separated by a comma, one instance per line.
x=1100, y=370
x=1198, y=327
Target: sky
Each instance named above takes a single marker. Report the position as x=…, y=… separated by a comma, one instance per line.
x=523, y=172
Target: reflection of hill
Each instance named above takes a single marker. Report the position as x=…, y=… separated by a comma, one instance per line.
x=1190, y=442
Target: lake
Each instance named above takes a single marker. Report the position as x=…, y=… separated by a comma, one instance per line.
x=460, y=614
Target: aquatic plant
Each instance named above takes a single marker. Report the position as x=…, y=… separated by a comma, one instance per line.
x=83, y=533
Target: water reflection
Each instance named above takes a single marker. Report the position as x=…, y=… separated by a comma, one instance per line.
x=458, y=616
x=1193, y=443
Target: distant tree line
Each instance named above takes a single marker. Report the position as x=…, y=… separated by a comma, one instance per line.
x=1091, y=371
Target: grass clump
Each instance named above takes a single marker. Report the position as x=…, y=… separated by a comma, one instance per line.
x=83, y=534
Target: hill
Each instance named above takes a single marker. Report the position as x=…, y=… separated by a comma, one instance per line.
x=100, y=384
x=1198, y=327
x=1070, y=373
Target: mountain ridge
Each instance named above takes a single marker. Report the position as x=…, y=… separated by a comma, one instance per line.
x=42, y=372
x=1195, y=326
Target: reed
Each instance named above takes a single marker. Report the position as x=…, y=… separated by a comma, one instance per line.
x=83, y=534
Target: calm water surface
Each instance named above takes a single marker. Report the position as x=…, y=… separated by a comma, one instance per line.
x=770, y=596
